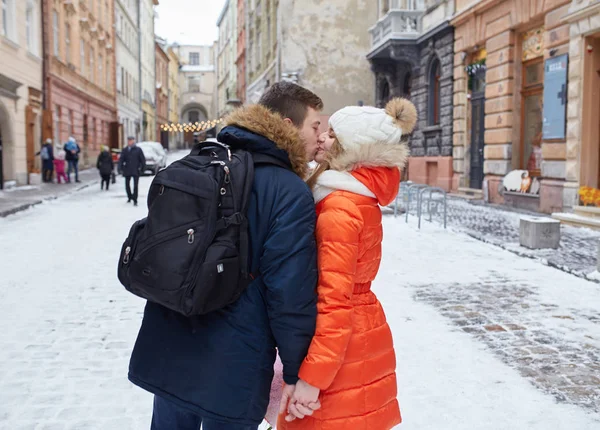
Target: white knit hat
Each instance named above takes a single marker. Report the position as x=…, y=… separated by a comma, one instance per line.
x=355, y=126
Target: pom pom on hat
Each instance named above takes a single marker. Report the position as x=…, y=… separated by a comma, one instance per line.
x=364, y=125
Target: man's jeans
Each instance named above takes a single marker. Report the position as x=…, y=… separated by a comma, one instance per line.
x=169, y=416
x=73, y=166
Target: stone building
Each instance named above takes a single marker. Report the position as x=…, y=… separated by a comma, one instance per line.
x=148, y=69
x=227, y=47
x=174, y=94
x=411, y=56
x=129, y=103
x=240, y=58
x=197, y=84
x=261, y=46
x=79, y=62
x=582, y=152
x=20, y=90
x=510, y=82
x=162, y=93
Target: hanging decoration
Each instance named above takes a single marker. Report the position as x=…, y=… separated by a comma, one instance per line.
x=190, y=126
x=473, y=69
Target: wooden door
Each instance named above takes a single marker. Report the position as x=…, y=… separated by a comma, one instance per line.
x=30, y=117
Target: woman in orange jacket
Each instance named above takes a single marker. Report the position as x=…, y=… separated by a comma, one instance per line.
x=350, y=366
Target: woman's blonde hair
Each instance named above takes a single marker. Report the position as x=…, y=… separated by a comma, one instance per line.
x=335, y=151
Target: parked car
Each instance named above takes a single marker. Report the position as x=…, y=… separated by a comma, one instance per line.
x=155, y=154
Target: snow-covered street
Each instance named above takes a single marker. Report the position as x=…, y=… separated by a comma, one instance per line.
x=485, y=339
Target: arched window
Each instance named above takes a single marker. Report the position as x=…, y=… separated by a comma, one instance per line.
x=384, y=92
x=435, y=72
x=406, y=86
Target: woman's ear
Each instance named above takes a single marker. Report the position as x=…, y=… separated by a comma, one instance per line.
x=289, y=121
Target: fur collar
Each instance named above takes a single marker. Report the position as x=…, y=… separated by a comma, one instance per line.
x=262, y=121
x=331, y=181
x=372, y=155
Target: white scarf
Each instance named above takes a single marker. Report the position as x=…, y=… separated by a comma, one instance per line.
x=332, y=180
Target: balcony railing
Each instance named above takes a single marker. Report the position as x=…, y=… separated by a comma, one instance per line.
x=397, y=24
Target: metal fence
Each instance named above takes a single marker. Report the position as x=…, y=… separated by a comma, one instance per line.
x=415, y=193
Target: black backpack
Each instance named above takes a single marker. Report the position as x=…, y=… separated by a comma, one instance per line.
x=191, y=253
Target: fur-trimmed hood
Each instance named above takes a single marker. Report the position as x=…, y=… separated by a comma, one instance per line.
x=263, y=122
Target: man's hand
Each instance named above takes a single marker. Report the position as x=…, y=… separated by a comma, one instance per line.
x=304, y=401
x=288, y=391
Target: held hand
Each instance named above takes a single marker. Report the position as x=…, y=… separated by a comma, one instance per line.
x=305, y=400
x=288, y=391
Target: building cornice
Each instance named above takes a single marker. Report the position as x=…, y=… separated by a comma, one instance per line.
x=582, y=13
x=440, y=28
x=476, y=7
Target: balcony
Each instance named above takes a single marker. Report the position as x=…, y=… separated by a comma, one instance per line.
x=396, y=25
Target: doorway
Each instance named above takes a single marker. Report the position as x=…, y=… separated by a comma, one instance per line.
x=590, y=131
x=477, y=130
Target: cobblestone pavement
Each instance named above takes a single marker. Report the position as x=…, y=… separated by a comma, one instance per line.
x=578, y=249
x=558, y=352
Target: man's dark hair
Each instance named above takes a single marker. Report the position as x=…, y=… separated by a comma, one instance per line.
x=291, y=101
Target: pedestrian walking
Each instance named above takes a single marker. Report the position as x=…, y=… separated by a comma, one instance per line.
x=131, y=165
x=46, y=153
x=105, y=166
x=59, y=166
x=72, y=151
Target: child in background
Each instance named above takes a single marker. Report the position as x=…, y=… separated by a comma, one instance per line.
x=59, y=166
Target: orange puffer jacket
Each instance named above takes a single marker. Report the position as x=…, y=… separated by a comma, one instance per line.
x=351, y=358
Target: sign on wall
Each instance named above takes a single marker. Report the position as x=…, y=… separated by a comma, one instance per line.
x=555, y=97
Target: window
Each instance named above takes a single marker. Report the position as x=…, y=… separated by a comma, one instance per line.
x=9, y=19
x=194, y=116
x=100, y=71
x=92, y=70
x=108, y=76
x=30, y=28
x=119, y=79
x=71, y=126
x=55, y=33
x=194, y=84
x=532, y=96
x=194, y=58
x=82, y=57
x=68, y=42
x=433, y=113
x=56, y=120
x=106, y=15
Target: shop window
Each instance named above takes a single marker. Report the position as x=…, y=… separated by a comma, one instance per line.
x=532, y=116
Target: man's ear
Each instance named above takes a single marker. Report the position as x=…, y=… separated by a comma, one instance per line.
x=289, y=121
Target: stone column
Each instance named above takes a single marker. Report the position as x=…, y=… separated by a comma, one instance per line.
x=500, y=87
x=459, y=127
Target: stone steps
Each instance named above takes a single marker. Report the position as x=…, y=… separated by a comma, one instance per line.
x=577, y=220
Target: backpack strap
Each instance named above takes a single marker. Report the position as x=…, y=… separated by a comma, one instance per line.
x=262, y=159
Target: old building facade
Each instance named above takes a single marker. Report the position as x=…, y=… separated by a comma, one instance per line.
x=324, y=47
x=226, y=53
x=510, y=72
x=128, y=65
x=148, y=69
x=240, y=57
x=411, y=56
x=582, y=152
x=174, y=94
x=197, y=84
x=261, y=47
x=79, y=56
x=20, y=90
x=162, y=93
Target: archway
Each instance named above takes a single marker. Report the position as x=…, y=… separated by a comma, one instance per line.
x=6, y=147
x=194, y=112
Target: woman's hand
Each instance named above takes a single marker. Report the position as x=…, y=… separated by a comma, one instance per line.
x=304, y=401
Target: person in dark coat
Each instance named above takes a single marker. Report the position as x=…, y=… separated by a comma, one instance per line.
x=131, y=165
x=216, y=369
x=105, y=166
x=47, y=155
x=72, y=150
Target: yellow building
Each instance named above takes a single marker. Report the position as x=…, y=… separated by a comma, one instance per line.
x=226, y=55
x=174, y=93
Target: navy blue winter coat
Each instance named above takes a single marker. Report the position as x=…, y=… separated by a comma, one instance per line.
x=220, y=365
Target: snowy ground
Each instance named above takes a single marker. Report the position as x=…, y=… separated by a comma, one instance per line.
x=485, y=339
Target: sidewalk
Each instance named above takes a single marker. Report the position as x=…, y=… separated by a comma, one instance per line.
x=22, y=198
x=499, y=226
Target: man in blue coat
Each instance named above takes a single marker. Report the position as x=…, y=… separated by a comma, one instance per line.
x=131, y=164
x=216, y=369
